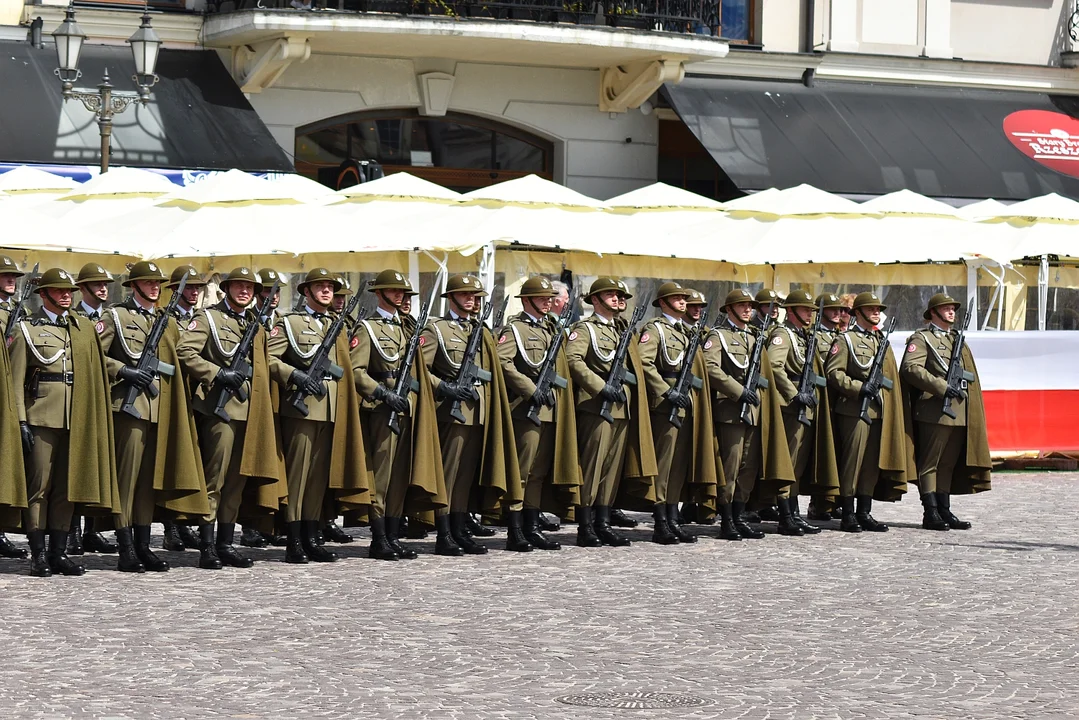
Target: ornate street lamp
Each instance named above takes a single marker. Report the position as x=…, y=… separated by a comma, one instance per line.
x=106, y=102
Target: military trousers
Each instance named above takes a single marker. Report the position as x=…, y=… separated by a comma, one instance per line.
x=389, y=457
x=462, y=446
x=602, y=454
x=674, y=454
x=222, y=446
x=740, y=448
x=859, y=455
x=308, y=447
x=535, y=456
x=48, y=506
x=940, y=448
x=800, y=445
x=136, y=461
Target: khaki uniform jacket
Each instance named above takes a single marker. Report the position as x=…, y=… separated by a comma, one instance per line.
x=293, y=340
x=662, y=345
x=378, y=348
x=590, y=349
x=122, y=332
x=849, y=360
x=39, y=346
x=5, y=313
x=726, y=355
x=80, y=310
x=787, y=353
x=443, y=344
x=522, y=348
x=925, y=370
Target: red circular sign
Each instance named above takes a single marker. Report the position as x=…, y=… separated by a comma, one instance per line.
x=1049, y=138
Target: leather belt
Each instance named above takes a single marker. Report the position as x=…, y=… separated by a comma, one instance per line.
x=67, y=378
x=669, y=374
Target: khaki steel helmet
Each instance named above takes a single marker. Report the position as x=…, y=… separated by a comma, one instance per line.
x=669, y=289
x=538, y=286
x=56, y=279
x=315, y=275
x=242, y=274
x=464, y=283
x=831, y=300
x=193, y=277
x=92, y=272
x=8, y=266
x=267, y=277
x=346, y=286
x=868, y=299
x=602, y=284
x=799, y=298
x=144, y=270
x=939, y=300
x=696, y=297
x=737, y=296
x=623, y=290
x=767, y=296
x=390, y=280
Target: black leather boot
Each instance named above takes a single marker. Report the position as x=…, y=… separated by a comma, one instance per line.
x=543, y=524
x=535, y=536
x=8, y=549
x=737, y=511
x=661, y=530
x=128, y=561
x=816, y=510
x=226, y=551
x=796, y=513
x=515, y=534
x=676, y=527
x=143, y=552
x=74, y=536
x=250, y=537
x=727, y=530
x=586, y=533
x=59, y=562
x=601, y=524
x=414, y=530
x=190, y=537
x=770, y=513
x=39, y=564
x=459, y=530
x=172, y=540
x=314, y=551
x=380, y=548
x=865, y=517
x=476, y=529
x=931, y=519
x=294, y=545
x=944, y=503
x=393, y=528
x=444, y=542
x=333, y=532
x=93, y=541
x=620, y=519
x=750, y=516
x=208, y=559
x=275, y=539
x=848, y=521
x=787, y=525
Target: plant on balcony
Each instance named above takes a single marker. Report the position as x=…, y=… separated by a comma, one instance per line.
x=623, y=15
x=577, y=12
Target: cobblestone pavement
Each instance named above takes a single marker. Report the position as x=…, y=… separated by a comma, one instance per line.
x=907, y=624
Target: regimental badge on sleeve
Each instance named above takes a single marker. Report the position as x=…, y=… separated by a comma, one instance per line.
x=421, y=340
x=912, y=348
x=353, y=343
x=99, y=326
x=777, y=340
x=644, y=337
x=707, y=344
x=573, y=335
x=192, y=325
x=834, y=350
x=502, y=338
x=275, y=332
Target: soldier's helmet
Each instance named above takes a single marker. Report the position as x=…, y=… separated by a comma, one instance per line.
x=408, y=288
x=767, y=296
x=831, y=300
x=144, y=270
x=736, y=296
x=391, y=280
x=464, y=283
x=193, y=277
x=939, y=300
x=538, y=286
x=346, y=286
x=56, y=279
x=8, y=267
x=868, y=299
x=267, y=277
x=92, y=272
x=799, y=298
x=669, y=289
x=696, y=297
x=243, y=274
x=602, y=284
x=316, y=275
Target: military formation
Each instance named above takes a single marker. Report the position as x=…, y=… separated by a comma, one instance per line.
x=162, y=408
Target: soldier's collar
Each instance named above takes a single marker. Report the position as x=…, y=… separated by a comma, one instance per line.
x=530, y=318
x=672, y=320
x=91, y=312
x=732, y=326
x=227, y=306
x=858, y=328
x=52, y=316
x=937, y=328
x=386, y=315
x=139, y=307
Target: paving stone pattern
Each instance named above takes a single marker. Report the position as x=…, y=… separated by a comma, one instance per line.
x=907, y=624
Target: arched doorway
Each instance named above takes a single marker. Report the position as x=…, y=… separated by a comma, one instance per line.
x=458, y=151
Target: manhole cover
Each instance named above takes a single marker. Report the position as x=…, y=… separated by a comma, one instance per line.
x=633, y=700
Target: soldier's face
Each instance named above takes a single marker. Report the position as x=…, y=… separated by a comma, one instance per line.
x=742, y=311
x=677, y=303
x=467, y=301
x=801, y=315
x=276, y=297
x=320, y=292
x=7, y=283
x=393, y=296
x=99, y=290
x=622, y=302
x=406, y=303
x=693, y=312
x=834, y=316
x=191, y=295
x=241, y=292
x=541, y=305
x=150, y=289
x=947, y=313
x=339, y=302
x=871, y=313
x=59, y=300
x=609, y=299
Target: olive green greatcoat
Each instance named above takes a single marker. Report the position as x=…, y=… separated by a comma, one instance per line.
x=12, y=471
x=637, y=489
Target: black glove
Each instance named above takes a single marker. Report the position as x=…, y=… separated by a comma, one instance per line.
x=452, y=391
x=396, y=403
x=613, y=393
x=540, y=399
x=750, y=397
x=806, y=399
x=870, y=389
x=230, y=378
x=27, y=437
x=139, y=378
x=549, y=400
x=308, y=384
x=954, y=393
x=679, y=400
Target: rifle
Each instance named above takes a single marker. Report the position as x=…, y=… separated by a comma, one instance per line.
x=876, y=372
x=239, y=357
x=18, y=311
x=618, y=373
x=547, y=376
x=469, y=372
x=148, y=360
x=753, y=369
x=500, y=317
x=320, y=366
x=810, y=380
x=686, y=378
x=957, y=376
x=405, y=384
x=298, y=305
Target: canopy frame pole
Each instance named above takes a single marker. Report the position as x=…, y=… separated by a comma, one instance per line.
x=487, y=271
x=996, y=297
x=972, y=292
x=1043, y=291
x=414, y=274
x=442, y=265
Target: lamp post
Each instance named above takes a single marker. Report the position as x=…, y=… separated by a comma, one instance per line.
x=105, y=102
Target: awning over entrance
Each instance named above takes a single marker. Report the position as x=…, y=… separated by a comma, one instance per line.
x=197, y=116
x=860, y=139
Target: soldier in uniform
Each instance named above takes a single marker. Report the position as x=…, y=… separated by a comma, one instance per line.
x=618, y=517
x=243, y=446
x=324, y=448
x=547, y=452
x=479, y=453
x=330, y=529
x=834, y=319
x=952, y=453
x=267, y=277
x=9, y=278
x=767, y=301
x=59, y=372
x=157, y=455
x=871, y=455
x=693, y=512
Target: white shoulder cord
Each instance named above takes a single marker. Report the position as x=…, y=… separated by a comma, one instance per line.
x=120, y=335
x=294, y=344
x=521, y=349
x=33, y=350
x=217, y=339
